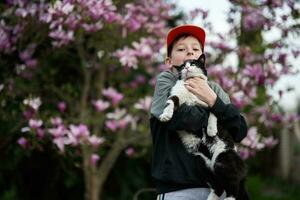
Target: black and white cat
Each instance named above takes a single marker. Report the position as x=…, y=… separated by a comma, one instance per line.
x=223, y=167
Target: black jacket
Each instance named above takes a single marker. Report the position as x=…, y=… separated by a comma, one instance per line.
x=173, y=168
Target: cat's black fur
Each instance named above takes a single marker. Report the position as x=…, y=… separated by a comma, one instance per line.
x=223, y=167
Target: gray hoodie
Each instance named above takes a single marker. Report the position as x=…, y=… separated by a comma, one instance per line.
x=165, y=81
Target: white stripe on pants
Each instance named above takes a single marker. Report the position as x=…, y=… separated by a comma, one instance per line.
x=187, y=194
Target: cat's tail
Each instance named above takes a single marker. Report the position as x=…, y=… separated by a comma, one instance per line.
x=243, y=194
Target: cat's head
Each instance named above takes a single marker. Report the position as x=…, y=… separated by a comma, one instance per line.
x=194, y=68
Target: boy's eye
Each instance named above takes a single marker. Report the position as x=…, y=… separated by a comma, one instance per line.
x=180, y=49
x=196, y=49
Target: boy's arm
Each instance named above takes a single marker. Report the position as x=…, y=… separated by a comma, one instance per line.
x=230, y=119
x=189, y=118
x=164, y=82
x=219, y=92
x=228, y=115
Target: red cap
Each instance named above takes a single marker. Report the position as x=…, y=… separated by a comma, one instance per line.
x=195, y=31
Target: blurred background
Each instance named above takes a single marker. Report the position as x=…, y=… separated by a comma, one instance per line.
x=77, y=79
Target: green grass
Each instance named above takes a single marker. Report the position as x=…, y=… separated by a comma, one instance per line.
x=272, y=189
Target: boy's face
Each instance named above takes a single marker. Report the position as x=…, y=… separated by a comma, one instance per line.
x=184, y=49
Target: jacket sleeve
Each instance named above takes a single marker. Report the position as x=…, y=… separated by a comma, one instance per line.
x=230, y=119
x=164, y=82
x=188, y=118
x=219, y=91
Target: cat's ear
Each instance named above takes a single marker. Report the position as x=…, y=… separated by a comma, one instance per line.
x=201, y=60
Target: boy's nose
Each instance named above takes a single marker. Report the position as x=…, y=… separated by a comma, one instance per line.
x=190, y=53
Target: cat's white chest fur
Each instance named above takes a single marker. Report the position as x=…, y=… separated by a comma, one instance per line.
x=185, y=96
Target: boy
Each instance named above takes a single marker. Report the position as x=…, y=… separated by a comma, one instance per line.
x=174, y=170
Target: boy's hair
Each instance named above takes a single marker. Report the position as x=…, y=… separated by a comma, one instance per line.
x=182, y=36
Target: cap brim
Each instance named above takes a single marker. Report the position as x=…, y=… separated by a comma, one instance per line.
x=195, y=31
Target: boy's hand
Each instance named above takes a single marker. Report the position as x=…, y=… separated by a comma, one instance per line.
x=201, y=89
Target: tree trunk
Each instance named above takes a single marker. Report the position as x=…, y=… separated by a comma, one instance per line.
x=107, y=164
x=90, y=176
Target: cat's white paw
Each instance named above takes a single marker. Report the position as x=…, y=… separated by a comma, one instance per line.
x=212, y=130
x=212, y=196
x=167, y=114
x=229, y=198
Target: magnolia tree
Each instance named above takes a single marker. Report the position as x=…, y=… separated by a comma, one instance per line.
x=81, y=74
x=265, y=47
x=261, y=41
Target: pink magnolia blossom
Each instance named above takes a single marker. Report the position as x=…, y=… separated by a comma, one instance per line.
x=253, y=139
x=127, y=57
x=80, y=131
x=140, y=15
x=244, y=153
x=40, y=133
x=239, y=99
x=119, y=120
x=221, y=45
x=58, y=131
x=144, y=104
x=65, y=17
x=92, y=27
x=292, y=117
x=112, y=125
x=23, y=142
x=220, y=73
x=276, y=117
x=61, y=37
x=5, y=43
x=125, y=121
x=133, y=20
x=62, y=106
x=35, y=123
x=94, y=159
x=143, y=49
x=34, y=103
x=29, y=113
x=253, y=19
x=63, y=7
x=25, y=129
x=60, y=143
x=95, y=141
x=27, y=53
x=71, y=139
x=113, y=95
x=100, y=105
x=31, y=63
x=130, y=151
x=56, y=121
x=255, y=71
x=270, y=141
x=117, y=114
